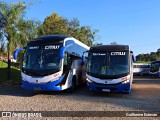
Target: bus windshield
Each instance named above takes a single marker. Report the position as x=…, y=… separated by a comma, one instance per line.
x=42, y=59
x=108, y=64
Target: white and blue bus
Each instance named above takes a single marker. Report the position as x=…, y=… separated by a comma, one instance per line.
x=155, y=68
x=110, y=68
x=53, y=63
x=141, y=68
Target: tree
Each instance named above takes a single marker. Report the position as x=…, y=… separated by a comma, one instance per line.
x=73, y=26
x=148, y=57
x=96, y=44
x=16, y=30
x=114, y=43
x=11, y=14
x=2, y=25
x=55, y=24
x=2, y=21
x=28, y=29
x=158, y=54
x=2, y=42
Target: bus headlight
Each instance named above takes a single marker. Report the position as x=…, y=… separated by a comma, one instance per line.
x=88, y=80
x=24, y=79
x=126, y=81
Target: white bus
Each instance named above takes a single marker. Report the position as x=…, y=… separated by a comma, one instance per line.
x=141, y=68
x=110, y=68
x=53, y=63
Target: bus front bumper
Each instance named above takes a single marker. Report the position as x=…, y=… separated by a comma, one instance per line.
x=120, y=87
x=50, y=86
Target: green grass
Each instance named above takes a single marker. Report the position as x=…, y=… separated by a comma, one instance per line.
x=15, y=73
x=143, y=62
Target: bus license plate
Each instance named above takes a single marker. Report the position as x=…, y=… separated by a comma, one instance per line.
x=106, y=90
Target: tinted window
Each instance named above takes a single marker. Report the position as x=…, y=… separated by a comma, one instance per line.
x=42, y=58
x=108, y=64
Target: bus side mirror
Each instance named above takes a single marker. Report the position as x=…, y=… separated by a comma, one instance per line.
x=83, y=58
x=15, y=54
x=133, y=58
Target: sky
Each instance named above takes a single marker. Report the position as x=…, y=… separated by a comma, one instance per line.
x=131, y=22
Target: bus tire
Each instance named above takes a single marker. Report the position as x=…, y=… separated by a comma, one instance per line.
x=73, y=87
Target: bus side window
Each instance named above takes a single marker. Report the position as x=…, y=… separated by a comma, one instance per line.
x=65, y=59
x=67, y=63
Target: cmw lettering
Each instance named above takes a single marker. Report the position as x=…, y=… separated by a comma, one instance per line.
x=52, y=47
x=118, y=53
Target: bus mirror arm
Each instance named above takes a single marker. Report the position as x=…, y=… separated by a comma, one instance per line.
x=85, y=52
x=62, y=52
x=133, y=58
x=83, y=57
x=15, y=54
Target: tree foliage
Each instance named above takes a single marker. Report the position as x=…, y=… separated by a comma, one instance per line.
x=96, y=44
x=113, y=43
x=14, y=29
x=149, y=57
x=12, y=15
x=55, y=24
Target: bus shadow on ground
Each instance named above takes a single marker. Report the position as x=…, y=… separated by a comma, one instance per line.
x=144, y=96
x=15, y=75
x=16, y=91
x=64, y=92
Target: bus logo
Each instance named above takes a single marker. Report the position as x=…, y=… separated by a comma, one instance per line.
x=118, y=53
x=52, y=47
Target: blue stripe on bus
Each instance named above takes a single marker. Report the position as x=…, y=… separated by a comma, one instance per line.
x=113, y=88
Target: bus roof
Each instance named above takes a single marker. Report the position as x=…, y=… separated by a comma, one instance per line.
x=55, y=39
x=58, y=37
x=50, y=38
x=103, y=48
x=156, y=61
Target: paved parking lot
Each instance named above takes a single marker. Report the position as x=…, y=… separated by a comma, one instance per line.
x=145, y=95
